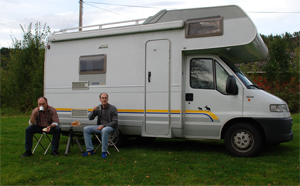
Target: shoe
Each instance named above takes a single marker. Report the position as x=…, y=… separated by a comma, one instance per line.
x=27, y=153
x=104, y=155
x=54, y=153
x=88, y=153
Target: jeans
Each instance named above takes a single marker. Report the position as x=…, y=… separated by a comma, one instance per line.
x=55, y=131
x=89, y=130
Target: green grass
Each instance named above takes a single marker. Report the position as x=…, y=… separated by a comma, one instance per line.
x=161, y=162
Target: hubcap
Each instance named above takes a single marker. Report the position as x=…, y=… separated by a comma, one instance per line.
x=242, y=141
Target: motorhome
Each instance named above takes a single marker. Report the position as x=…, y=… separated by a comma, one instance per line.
x=171, y=75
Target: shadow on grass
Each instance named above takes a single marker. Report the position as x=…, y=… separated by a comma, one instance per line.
x=291, y=147
x=194, y=146
x=207, y=146
x=150, y=144
x=175, y=145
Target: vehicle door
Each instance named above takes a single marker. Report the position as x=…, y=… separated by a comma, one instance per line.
x=207, y=105
x=157, y=111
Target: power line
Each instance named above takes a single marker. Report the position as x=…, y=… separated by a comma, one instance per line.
x=103, y=9
x=161, y=8
x=273, y=12
x=134, y=6
x=124, y=5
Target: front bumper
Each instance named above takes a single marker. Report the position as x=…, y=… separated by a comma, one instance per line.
x=277, y=130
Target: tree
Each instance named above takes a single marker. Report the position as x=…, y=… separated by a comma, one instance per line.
x=279, y=73
x=277, y=68
x=282, y=70
x=22, y=84
x=4, y=57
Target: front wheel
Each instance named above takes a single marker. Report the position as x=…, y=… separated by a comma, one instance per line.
x=243, y=139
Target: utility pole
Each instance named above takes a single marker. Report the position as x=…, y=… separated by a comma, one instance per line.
x=80, y=15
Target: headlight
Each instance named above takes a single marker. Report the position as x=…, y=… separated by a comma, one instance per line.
x=279, y=108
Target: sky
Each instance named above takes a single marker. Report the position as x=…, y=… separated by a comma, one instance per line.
x=270, y=16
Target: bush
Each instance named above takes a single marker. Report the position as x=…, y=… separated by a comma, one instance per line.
x=289, y=91
x=279, y=74
x=22, y=78
x=9, y=111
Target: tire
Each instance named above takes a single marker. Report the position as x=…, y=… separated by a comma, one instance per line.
x=243, y=140
x=119, y=141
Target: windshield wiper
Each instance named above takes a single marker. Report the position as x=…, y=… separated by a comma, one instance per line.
x=254, y=86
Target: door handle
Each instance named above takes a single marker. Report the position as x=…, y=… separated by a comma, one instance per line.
x=149, y=77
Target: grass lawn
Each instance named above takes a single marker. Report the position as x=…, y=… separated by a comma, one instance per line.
x=160, y=162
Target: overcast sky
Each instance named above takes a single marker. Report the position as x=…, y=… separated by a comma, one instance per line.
x=270, y=16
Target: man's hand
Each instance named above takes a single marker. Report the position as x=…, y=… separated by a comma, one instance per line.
x=36, y=110
x=100, y=127
x=32, y=118
x=95, y=107
x=48, y=128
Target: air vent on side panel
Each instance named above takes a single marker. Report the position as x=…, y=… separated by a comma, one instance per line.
x=79, y=112
x=80, y=85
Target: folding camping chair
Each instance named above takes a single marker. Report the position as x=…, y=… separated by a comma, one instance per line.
x=39, y=142
x=110, y=142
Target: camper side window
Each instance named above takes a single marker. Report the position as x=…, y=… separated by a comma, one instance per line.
x=95, y=64
x=201, y=73
x=203, y=27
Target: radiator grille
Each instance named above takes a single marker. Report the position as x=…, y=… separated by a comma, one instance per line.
x=80, y=85
x=79, y=112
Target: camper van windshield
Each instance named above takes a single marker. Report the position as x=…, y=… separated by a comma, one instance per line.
x=247, y=81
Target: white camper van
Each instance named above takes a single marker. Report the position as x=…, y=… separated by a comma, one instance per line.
x=171, y=75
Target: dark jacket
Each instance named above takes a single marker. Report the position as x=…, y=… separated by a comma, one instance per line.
x=112, y=117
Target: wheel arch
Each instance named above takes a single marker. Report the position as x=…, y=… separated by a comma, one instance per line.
x=250, y=121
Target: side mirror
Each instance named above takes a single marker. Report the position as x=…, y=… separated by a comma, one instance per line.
x=231, y=87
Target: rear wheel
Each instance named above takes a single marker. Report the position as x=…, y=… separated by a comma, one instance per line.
x=119, y=141
x=243, y=139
